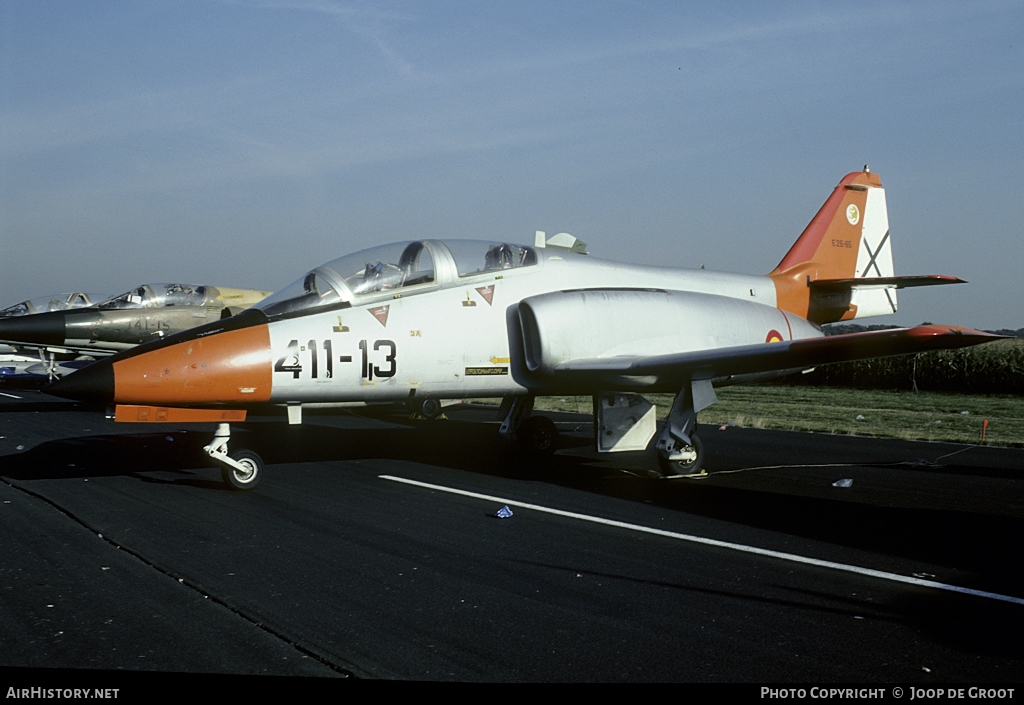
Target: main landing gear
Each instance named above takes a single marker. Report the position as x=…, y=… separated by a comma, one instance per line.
x=683, y=460
x=680, y=450
x=428, y=408
x=536, y=434
x=241, y=470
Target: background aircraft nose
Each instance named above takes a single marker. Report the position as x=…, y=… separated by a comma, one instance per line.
x=36, y=329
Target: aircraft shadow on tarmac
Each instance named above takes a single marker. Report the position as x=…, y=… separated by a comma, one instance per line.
x=983, y=547
x=972, y=541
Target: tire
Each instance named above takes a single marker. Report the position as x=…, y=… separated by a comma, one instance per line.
x=679, y=467
x=539, y=435
x=428, y=408
x=237, y=480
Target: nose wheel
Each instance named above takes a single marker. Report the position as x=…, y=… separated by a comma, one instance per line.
x=246, y=473
x=242, y=469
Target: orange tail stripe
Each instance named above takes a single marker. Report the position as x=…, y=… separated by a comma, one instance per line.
x=828, y=246
x=832, y=238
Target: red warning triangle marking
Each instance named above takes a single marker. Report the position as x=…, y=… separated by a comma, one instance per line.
x=381, y=314
x=487, y=292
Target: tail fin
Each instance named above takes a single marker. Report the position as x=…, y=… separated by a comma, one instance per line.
x=840, y=268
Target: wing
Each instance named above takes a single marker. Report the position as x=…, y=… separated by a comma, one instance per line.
x=792, y=355
x=99, y=350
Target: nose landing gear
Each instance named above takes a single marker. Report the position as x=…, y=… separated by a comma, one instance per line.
x=242, y=469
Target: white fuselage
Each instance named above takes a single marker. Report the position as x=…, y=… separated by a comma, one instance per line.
x=459, y=336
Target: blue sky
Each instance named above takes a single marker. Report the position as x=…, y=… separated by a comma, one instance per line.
x=243, y=142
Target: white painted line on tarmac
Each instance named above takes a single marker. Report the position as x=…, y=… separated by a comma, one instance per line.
x=719, y=544
x=9, y=395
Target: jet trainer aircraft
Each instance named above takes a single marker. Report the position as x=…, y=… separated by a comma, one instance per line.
x=432, y=319
x=137, y=316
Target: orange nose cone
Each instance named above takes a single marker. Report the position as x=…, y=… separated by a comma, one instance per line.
x=229, y=367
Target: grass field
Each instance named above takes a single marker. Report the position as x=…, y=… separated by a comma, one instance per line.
x=929, y=416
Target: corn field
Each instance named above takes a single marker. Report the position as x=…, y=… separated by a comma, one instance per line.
x=992, y=368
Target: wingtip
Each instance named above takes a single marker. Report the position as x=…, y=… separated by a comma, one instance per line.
x=959, y=330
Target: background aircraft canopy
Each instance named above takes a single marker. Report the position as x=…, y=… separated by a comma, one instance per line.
x=157, y=296
x=54, y=302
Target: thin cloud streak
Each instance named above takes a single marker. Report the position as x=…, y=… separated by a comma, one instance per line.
x=365, y=21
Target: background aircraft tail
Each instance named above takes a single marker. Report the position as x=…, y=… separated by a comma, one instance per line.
x=840, y=268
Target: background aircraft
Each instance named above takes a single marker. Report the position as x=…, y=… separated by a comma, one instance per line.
x=455, y=319
x=144, y=313
x=16, y=365
x=54, y=302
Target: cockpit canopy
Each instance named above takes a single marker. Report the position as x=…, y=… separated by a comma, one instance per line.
x=157, y=296
x=473, y=257
x=56, y=302
x=402, y=267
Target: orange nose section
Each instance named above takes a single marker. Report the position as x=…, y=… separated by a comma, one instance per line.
x=229, y=367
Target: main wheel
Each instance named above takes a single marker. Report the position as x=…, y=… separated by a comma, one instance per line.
x=684, y=467
x=250, y=476
x=428, y=408
x=539, y=435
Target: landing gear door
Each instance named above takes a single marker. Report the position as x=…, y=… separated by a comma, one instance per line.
x=624, y=422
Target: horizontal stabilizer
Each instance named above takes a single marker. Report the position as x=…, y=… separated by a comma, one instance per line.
x=836, y=285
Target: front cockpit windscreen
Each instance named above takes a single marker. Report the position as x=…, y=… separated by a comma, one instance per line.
x=20, y=309
x=157, y=296
x=382, y=269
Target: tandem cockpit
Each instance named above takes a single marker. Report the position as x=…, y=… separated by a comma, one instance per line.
x=391, y=271
x=156, y=296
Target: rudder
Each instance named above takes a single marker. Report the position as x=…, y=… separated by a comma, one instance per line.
x=827, y=274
